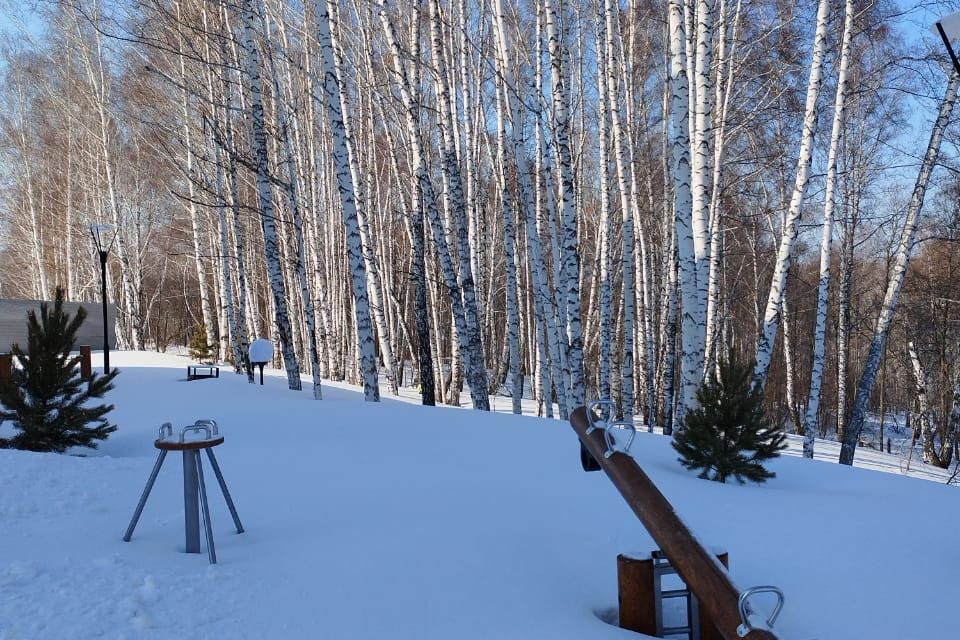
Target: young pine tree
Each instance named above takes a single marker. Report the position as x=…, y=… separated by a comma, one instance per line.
x=198, y=348
x=728, y=434
x=45, y=398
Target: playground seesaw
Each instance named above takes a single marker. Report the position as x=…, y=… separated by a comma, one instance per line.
x=727, y=607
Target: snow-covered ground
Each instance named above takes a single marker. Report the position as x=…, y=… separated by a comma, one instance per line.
x=394, y=521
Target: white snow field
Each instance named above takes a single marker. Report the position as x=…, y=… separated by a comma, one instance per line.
x=394, y=521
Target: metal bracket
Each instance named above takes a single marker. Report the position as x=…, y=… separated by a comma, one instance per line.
x=612, y=444
x=599, y=414
x=166, y=431
x=746, y=626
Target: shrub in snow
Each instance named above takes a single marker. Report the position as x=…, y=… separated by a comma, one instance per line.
x=45, y=398
x=728, y=433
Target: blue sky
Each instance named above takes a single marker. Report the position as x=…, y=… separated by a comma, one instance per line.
x=17, y=17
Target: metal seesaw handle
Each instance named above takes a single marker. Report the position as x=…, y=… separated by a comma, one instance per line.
x=611, y=443
x=208, y=422
x=599, y=413
x=197, y=428
x=166, y=431
x=743, y=605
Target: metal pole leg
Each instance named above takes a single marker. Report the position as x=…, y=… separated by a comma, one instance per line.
x=223, y=487
x=211, y=552
x=191, y=514
x=144, y=496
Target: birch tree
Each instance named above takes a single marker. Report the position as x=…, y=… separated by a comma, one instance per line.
x=898, y=269
x=569, y=281
x=791, y=223
x=251, y=10
x=331, y=90
x=628, y=202
x=472, y=357
x=454, y=198
x=826, y=238
x=692, y=330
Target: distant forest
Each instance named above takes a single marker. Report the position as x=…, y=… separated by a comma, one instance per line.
x=566, y=200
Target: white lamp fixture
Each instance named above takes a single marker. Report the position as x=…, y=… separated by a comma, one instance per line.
x=948, y=28
x=103, y=236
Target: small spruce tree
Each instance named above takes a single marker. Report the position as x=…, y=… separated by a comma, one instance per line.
x=45, y=398
x=199, y=349
x=728, y=433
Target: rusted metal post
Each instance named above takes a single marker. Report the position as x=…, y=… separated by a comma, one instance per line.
x=697, y=567
x=6, y=366
x=86, y=369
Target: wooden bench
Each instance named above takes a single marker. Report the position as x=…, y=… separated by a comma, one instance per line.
x=197, y=371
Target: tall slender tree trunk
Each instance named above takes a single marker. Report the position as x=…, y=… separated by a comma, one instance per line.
x=366, y=345
x=299, y=260
x=823, y=288
x=375, y=288
x=506, y=204
x=791, y=223
x=569, y=256
x=724, y=89
x=251, y=11
x=628, y=203
x=605, y=272
x=474, y=366
x=701, y=172
x=897, y=273
x=468, y=351
x=921, y=386
x=692, y=329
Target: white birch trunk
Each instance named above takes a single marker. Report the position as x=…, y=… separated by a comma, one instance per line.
x=299, y=260
x=478, y=386
x=921, y=387
x=332, y=93
x=244, y=329
x=843, y=319
x=723, y=93
x=605, y=271
x=547, y=228
x=41, y=287
x=791, y=223
x=251, y=10
x=531, y=199
x=415, y=229
x=474, y=366
x=201, y=262
x=627, y=206
x=692, y=330
x=811, y=416
x=700, y=173
x=513, y=321
x=232, y=329
x=898, y=271
x=569, y=257
x=377, y=297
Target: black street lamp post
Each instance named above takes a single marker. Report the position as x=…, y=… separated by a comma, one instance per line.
x=100, y=233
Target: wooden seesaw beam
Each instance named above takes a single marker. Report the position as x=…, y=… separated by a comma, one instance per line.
x=698, y=568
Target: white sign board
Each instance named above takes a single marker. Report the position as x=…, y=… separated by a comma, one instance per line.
x=261, y=350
